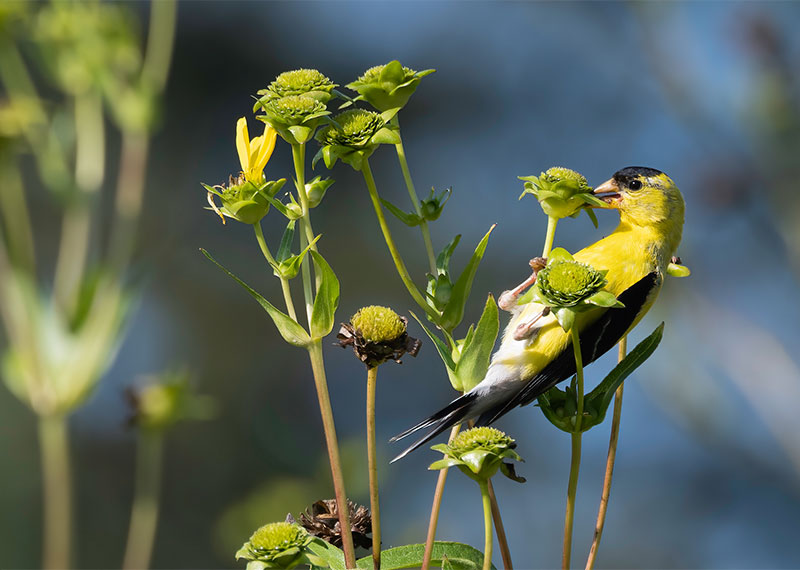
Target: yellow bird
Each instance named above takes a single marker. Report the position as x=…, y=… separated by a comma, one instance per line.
x=536, y=354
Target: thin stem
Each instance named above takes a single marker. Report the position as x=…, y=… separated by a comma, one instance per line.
x=551, y=234
x=612, y=456
x=332, y=444
x=160, y=38
x=435, y=508
x=287, y=292
x=144, y=513
x=57, y=492
x=76, y=226
x=16, y=219
x=372, y=381
x=502, y=540
x=412, y=193
x=298, y=156
x=575, y=459
x=487, y=525
x=387, y=236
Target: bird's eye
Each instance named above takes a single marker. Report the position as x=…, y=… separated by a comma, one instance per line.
x=635, y=185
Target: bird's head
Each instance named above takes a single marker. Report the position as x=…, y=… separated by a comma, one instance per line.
x=644, y=197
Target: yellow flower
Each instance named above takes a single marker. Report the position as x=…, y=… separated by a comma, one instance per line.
x=254, y=154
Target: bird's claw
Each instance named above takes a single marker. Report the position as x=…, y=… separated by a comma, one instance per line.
x=508, y=299
x=525, y=330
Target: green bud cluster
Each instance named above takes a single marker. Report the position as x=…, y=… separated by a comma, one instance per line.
x=479, y=454
x=378, y=324
x=567, y=283
x=561, y=192
x=292, y=109
x=277, y=545
x=300, y=82
x=353, y=128
x=387, y=86
x=242, y=200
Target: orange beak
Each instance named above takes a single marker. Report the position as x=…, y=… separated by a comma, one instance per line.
x=608, y=192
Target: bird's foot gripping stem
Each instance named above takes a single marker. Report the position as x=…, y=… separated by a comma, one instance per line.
x=508, y=299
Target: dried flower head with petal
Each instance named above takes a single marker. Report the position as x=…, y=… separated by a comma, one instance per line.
x=322, y=520
x=378, y=334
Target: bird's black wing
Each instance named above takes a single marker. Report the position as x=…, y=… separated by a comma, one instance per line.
x=597, y=339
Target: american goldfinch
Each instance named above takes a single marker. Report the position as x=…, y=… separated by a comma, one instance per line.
x=536, y=353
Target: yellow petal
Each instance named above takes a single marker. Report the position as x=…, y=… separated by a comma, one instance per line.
x=265, y=148
x=243, y=143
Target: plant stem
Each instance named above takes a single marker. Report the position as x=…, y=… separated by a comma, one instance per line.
x=487, y=525
x=332, y=444
x=612, y=456
x=16, y=219
x=298, y=156
x=160, y=38
x=372, y=381
x=144, y=513
x=551, y=234
x=57, y=492
x=502, y=540
x=575, y=459
x=387, y=236
x=437, y=504
x=412, y=193
x=287, y=292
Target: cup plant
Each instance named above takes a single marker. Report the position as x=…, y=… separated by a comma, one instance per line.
x=299, y=107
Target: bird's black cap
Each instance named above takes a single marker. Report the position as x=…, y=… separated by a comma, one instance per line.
x=627, y=174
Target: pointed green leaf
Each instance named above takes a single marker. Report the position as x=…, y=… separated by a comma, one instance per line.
x=386, y=136
x=392, y=72
x=454, y=311
x=289, y=268
x=604, y=392
x=592, y=200
x=477, y=353
x=301, y=133
x=445, y=463
x=333, y=556
x=592, y=217
x=559, y=254
x=441, y=347
x=443, y=259
x=460, y=557
x=389, y=114
x=604, y=299
x=285, y=249
x=408, y=218
x=566, y=318
x=291, y=332
x=327, y=299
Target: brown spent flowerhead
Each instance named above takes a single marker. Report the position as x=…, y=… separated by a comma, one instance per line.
x=322, y=520
x=378, y=334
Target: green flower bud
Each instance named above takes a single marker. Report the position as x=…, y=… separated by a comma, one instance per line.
x=354, y=135
x=561, y=192
x=378, y=324
x=242, y=200
x=308, y=82
x=479, y=453
x=354, y=128
x=276, y=545
x=567, y=283
x=388, y=86
x=166, y=400
x=378, y=334
x=316, y=189
x=294, y=117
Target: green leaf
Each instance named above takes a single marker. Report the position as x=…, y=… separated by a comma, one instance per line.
x=592, y=200
x=327, y=299
x=559, y=254
x=408, y=218
x=477, y=351
x=454, y=311
x=291, y=332
x=602, y=394
x=604, y=299
x=566, y=318
x=285, y=249
x=301, y=133
x=392, y=72
x=385, y=136
x=441, y=347
x=333, y=556
x=676, y=270
x=289, y=268
x=460, y=556
x=592, y=217
x=443, y=259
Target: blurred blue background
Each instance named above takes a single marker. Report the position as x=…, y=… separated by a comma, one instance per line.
x=708, y=470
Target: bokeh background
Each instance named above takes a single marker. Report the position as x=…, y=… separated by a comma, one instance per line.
x=708, y=472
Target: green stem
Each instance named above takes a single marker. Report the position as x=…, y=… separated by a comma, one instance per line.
x=575, y=459
x=57, y=492
x=412, y=193
x=372, y=381
x=487, y=525
x=287, y=292
x=612, y=456
x=551, y=234
x=502, y=540
x=16, y=219
x=144, y=514
x=436, y=507
x=160, y=38
x=307, y=233
x=332, y=444
x=387, y=236
x=76, y=226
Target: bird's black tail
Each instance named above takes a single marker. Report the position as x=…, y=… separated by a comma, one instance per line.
x=450, y=415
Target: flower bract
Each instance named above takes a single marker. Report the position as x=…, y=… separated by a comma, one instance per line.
x=479, y=453
x=561, y=192
x=388, y=86
x=277, y=545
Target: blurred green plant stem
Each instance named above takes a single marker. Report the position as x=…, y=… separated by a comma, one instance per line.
x=62, y=338
x=144, y=513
